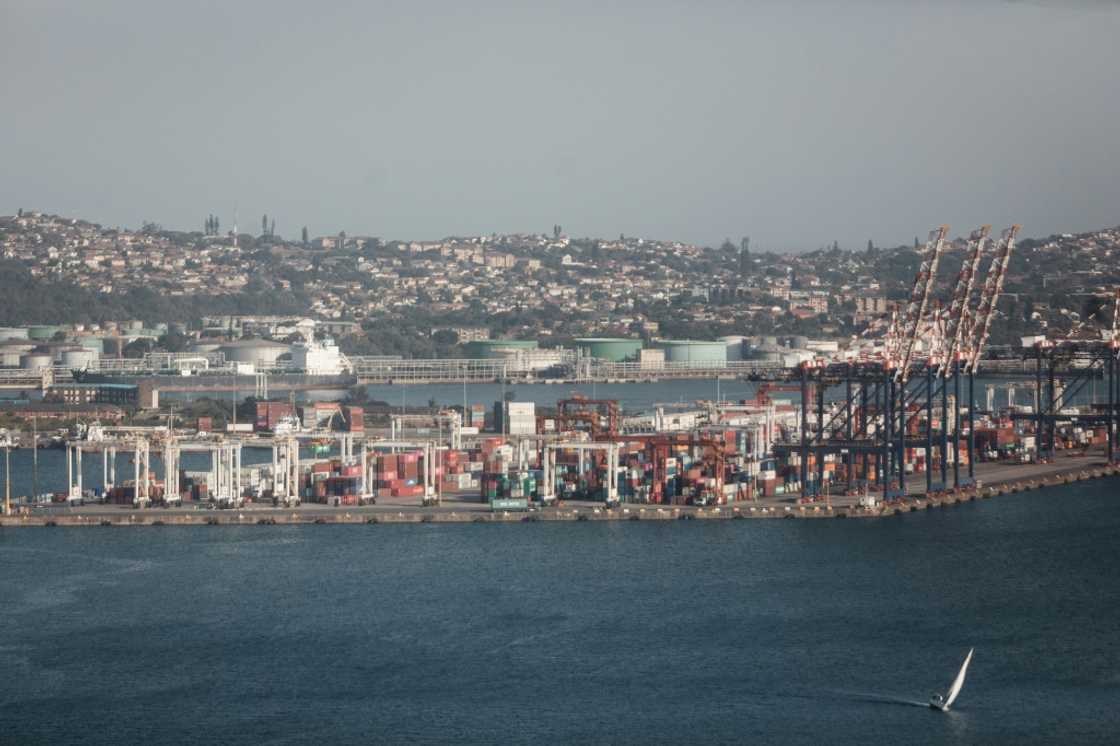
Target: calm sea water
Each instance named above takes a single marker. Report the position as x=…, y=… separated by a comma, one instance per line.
x=637, y=398
x=734, y=632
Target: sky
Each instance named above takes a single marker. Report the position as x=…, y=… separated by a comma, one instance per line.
x=796, y=123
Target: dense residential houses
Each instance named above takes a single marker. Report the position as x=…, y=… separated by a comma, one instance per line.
x=555, y=284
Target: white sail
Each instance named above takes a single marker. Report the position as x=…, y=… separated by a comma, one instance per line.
x=958, y=682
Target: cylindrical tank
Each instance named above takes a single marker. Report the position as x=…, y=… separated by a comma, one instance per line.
x=36, y=360
x=614, y=349
x=91, y=342
x=13, y=332
x=799, y=342
x=134, y=326
x=258, y=352
x=12, y=350
x=734, y=344
x=497, y=349
x=203, y=346
x=77, y=358
x=769, y=341
x=692, y=351
x=42, y=332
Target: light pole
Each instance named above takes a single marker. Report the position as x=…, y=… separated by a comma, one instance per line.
x=7, y=477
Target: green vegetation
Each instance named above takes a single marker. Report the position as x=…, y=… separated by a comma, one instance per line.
x=25, y=299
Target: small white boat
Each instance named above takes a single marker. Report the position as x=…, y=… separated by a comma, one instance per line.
x=943, y=703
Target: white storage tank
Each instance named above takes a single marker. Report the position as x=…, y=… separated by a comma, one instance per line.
x=260, y=353
x=734, y=345
x=77, y=358
x=692, y=350
x=36, y=360
x=12, y=350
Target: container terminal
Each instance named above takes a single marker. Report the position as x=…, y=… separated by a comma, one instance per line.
x=871, y=433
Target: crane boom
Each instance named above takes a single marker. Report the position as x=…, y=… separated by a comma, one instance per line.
x=919, y=301
x=989, y=296
x=959, y=310
x=1115, y=339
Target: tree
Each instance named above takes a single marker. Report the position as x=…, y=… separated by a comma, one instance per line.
x=137, y=348
x=446, y=338
x=173, y=341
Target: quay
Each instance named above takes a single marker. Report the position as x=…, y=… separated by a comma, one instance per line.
x=999, y=481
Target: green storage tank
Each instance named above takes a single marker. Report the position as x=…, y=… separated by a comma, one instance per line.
x=42, y=333
x=496, y=349
x=614, y=349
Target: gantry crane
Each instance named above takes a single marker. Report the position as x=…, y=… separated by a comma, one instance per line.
x=960, y=308
x=989, y=297
x=901, y=357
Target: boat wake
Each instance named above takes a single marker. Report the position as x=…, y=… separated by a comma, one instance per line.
x=882, y=699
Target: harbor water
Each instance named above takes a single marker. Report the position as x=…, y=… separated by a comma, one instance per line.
x=618, y=632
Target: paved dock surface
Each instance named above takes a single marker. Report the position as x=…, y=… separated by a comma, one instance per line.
x=995, y=480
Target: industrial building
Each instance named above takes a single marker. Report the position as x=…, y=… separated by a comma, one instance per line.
x=129, y=395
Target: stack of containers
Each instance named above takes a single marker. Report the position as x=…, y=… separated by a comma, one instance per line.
x=520, y=418
x=476, y=417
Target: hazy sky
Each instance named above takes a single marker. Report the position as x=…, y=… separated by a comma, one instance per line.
x=793, y=122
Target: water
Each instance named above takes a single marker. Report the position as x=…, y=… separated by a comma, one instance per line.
x=736, y=631
x=637, y=398
x=633, y=397
x=53, y=476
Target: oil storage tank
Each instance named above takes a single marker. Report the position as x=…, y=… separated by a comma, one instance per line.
x=36, y=360
x=260, y=353
x=734, y=345
x=12, y=350
x=613, y=349
x=42, y=332
x=77, y=358
x=499, y=349
x=693, y=351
